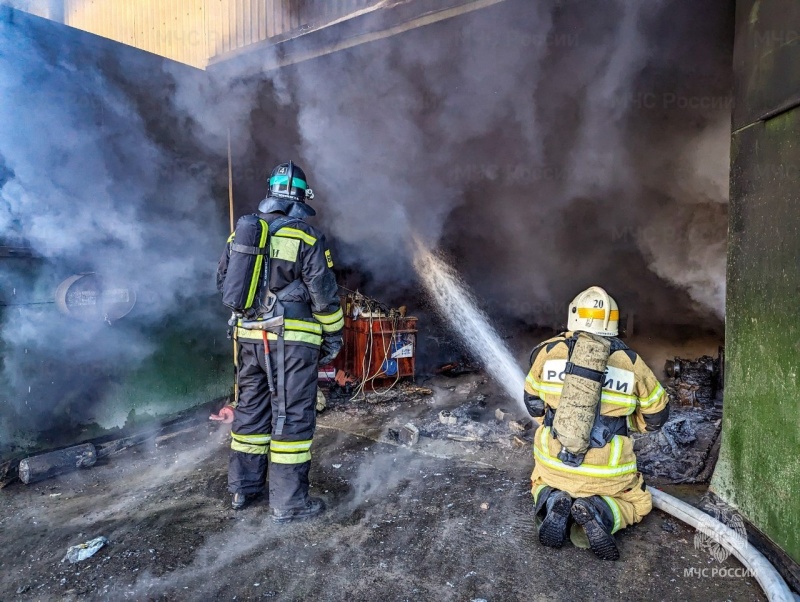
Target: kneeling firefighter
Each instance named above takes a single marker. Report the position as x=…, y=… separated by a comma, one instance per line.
x=275, y=274
x=589, y=390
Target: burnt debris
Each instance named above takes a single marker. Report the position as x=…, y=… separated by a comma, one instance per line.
x=685, y=450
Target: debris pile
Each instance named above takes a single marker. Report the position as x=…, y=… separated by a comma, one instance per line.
x=473, y=422
x=457, y=368
x=340, y=397
x=695, y=383
x=685, y=450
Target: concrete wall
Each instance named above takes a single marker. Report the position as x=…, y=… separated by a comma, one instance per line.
x=759, y=467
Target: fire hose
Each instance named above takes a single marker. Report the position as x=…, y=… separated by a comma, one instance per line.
x=768, y=578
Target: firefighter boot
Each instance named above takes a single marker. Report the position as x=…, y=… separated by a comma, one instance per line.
x=240, y=500
x=313, y=507
x=553, y=530
x=594, y=515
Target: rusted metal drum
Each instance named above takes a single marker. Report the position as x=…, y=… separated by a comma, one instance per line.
x=91, y=298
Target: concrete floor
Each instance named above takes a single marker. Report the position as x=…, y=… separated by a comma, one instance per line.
x=403, y=524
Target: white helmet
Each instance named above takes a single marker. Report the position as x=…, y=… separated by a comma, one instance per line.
x=595, y=311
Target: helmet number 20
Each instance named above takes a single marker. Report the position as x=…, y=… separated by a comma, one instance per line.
x=598, y=303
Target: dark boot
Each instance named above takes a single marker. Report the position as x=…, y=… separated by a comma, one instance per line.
x=241, y=500
x=553, y=530
x=597, y=520
x=313, y=507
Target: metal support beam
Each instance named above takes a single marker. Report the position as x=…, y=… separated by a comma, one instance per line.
x=377, y=24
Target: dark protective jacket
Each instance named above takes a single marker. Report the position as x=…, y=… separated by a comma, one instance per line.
x=298, y=252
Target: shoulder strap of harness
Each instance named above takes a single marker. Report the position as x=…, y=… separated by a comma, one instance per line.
x=274, y=226
x=539, y=347
x=282, y=222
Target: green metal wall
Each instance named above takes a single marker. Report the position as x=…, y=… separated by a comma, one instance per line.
x=759, y=466
x=63, y=380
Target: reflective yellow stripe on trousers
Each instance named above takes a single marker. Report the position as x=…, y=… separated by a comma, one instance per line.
x=291, y=452
x=612, y=503
x=257, y=445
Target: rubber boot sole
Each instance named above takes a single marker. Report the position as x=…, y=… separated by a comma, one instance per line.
x=600, y=541
x=553, y=531
x=300, y=515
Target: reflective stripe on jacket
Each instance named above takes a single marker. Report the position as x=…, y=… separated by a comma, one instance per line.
x=298, y=252
x=630, y=387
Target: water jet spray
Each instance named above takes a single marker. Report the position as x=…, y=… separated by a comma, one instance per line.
x=459, y=307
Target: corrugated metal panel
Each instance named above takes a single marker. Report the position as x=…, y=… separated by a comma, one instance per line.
x=102, y=17
x=172, y=28
x=192, y=31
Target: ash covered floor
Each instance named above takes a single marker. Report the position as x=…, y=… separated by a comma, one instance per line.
x=442, y=520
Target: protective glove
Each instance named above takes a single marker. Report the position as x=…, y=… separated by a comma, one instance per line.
x=331, y=346
x=225, y=415
x=534, y=405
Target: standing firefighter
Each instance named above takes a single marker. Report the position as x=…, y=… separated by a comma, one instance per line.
x=589, y=389
x=275, y=274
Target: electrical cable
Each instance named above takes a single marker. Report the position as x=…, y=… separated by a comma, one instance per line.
x=367, y=306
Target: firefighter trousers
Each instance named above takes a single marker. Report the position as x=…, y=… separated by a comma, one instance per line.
x=627, y=507
x=608, y=472
x=254, y=449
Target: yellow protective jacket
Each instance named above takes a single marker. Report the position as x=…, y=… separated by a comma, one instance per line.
x=630, y=390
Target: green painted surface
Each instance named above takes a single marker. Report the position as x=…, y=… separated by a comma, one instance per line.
x=51, y=398
x=63, y=380
x=759, y=467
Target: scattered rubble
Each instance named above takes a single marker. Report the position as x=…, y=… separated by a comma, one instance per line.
x=519, y=442
x=686, y=448
x=458, y=368
x=337, y=396
x=503, y=415
x=446, y=417
x=408, y=435
x=519, y=427
x=473, y=422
